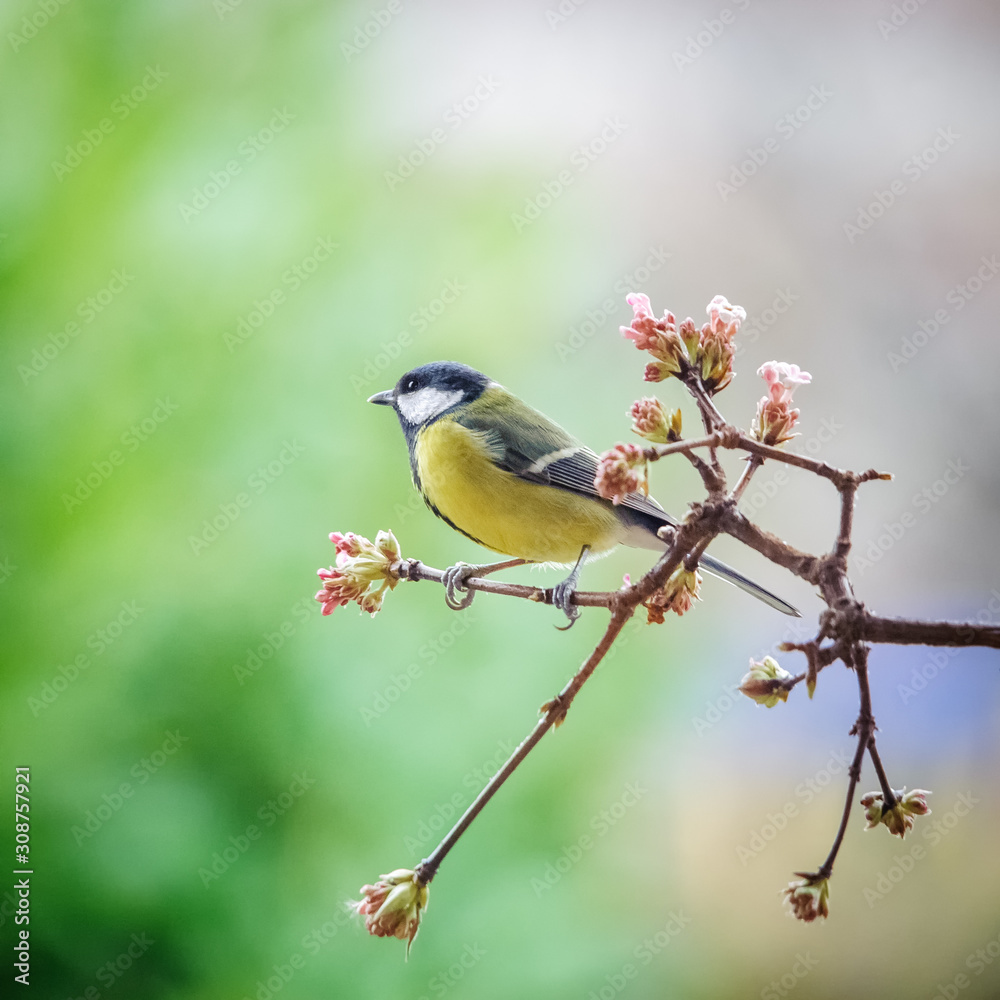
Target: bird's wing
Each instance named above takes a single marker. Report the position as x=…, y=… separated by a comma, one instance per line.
x=528, y=444
x=575, y=470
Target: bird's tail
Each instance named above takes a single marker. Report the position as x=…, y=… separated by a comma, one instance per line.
x=724, y=572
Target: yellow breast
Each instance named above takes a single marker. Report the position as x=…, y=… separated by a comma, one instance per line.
x=503, y=512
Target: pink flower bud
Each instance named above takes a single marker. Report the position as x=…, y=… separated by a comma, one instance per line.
x=658, y=336
x=393, y=906
x=617, y=475
x=678, y=594
x=649, y=420
x=809, y=898
x=361, y=565
x=775, y=415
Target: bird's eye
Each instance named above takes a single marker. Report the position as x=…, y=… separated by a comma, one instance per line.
x=411, y=384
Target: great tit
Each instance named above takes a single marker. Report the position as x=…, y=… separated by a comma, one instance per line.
x=509, y=478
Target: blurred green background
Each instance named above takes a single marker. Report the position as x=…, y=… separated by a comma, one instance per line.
x=222, y=226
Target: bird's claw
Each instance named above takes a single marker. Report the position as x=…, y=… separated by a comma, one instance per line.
x=562, y=596
x=454, y=581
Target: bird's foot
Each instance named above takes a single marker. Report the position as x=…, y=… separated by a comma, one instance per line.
x=454, y=581
x=562, y=596
x=562, y=593
x=456, y=576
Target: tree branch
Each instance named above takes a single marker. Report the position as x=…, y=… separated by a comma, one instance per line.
x=555, y=714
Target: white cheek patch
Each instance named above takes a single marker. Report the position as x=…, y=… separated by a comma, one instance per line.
x=427, y=403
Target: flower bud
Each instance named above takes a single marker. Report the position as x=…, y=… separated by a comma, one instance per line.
x=651, y=421
x=898, y=819
x=617, y=472
x=764, y=682
x=393, y=906
x=657, y=336
x=809, y=898
x=775, y=415
x=678, y=594
x=361, y=564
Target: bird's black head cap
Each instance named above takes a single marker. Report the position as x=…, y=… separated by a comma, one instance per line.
x=424, y=394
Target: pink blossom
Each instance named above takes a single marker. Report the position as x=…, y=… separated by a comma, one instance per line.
x=616, y=473
x=393, y=906
x=775, y=415
x=658, y=336
x=362, y=572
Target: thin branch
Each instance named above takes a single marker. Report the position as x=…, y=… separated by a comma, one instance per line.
x=778, y=551
x=905, y=631
x=555, y=713
x=657, y=451
x=837, y=476
x=414, y=570
x=888, y=795
x=754, y=462
x=854, y=772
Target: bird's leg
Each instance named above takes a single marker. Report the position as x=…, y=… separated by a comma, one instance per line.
x=562, y=593
x=455, y=577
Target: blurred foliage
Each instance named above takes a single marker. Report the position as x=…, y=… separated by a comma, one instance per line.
x=216, y=768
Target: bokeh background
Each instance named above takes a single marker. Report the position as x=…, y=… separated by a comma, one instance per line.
x=256, y=215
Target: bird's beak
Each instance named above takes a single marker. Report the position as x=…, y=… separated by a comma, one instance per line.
x=383, y=398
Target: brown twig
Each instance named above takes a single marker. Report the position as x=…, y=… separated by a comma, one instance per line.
x=555, y=712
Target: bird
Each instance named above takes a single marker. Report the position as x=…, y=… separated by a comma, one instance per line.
x=512, y=480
